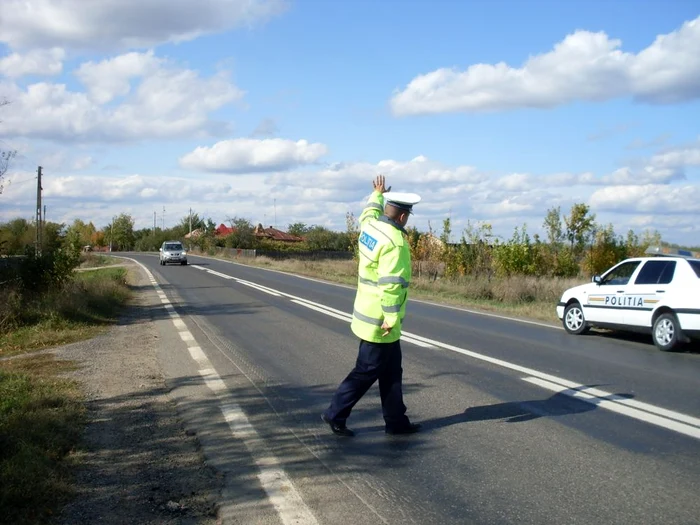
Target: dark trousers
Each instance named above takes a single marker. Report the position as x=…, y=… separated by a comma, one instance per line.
x=375, y=361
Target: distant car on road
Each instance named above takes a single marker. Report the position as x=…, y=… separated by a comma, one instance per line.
x=659, y=294
x=172, y=252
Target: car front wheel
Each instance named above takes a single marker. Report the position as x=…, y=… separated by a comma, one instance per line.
x=666, y=332
x=574, y=320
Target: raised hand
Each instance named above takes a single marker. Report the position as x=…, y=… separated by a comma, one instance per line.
x=379, y=184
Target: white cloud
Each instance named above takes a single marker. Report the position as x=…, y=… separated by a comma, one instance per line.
x=650, y=198
x=584, y=66
x=112, y=77
x=166, y=101
x=323, y=195
x=252, y=155
x=35, y=62
x=648, y=175
x=678, y=157
x=123, y=24
x=82, y=163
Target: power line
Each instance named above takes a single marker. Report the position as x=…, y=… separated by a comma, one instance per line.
x=21, y=181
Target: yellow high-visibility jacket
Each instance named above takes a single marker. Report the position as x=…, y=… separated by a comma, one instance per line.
x=384, y=274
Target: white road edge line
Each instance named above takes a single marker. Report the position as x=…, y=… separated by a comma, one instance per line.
x=615, y=407
x=636, y=409
x=281, y=492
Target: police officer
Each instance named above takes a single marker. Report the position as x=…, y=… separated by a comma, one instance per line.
x=379, y=310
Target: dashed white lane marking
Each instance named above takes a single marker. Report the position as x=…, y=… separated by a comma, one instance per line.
x=279, y=489
x=641, y=411
x=185, y=335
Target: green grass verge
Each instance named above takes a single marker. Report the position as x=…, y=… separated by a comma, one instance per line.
x=41, y=419
x=41, y=413
x=93, y=260
x=85, y=307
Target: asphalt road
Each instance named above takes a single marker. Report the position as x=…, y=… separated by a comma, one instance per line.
x=522, y=422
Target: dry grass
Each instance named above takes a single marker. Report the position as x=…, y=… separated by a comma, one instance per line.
x=82, y=309
x=531, y=297
x=94, y=260
x=41, y=418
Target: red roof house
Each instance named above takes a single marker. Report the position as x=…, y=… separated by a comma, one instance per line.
x=274, y=234
x=222, y=230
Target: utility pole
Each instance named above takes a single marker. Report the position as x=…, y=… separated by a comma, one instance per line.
x=190, y=221
x=163, y=218
x=154, y=223
x=38, y=212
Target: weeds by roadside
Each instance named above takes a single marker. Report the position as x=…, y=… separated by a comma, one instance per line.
x=41, y=418
x=80, y=308
x=93, y=260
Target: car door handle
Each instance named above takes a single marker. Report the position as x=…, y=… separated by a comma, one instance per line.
x=620, y=291
x=660, y=291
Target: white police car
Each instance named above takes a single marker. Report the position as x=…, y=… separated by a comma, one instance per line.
x=658, y=295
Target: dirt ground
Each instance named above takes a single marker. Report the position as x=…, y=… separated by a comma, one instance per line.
x=136, y=463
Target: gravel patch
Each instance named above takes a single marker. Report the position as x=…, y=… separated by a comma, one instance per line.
x=137, y=464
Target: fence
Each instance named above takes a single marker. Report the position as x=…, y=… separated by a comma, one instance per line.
x=305, y=256
x=275, y=254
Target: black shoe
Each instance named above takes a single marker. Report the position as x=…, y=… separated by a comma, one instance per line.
x=411, y=428
x=340, y=430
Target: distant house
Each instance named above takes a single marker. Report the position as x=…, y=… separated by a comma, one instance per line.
x=275, y=235
x=195, y=233
x=222, y=230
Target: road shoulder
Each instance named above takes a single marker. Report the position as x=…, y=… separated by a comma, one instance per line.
x=137, y=463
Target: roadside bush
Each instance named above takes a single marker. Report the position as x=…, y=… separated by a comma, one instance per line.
x=50, y=270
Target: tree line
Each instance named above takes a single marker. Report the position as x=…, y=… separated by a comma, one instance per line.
x=574, y=244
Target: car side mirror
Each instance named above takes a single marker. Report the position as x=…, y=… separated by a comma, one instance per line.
x=596, y=279
x=160, y=249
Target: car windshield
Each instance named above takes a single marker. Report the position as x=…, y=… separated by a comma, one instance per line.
x=695, y=265
x=173, y=246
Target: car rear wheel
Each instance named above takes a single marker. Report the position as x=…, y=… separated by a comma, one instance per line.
x=574, y=320
x=666, y=332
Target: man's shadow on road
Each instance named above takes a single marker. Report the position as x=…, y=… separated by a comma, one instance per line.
x=556, y=405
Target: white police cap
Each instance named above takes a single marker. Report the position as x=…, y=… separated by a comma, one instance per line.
x=402, y=200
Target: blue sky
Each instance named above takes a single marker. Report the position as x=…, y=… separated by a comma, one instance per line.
x=116, y=102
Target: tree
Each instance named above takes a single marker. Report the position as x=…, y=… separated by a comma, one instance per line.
x=5, y=156
x=298, y=228
x=121, y=232
x=446, y=230
x=579, y=226
x=79, y=234
x=352, y=228
x=15, y=235
x=243, y=236
x=196, y=221
x=552, y=225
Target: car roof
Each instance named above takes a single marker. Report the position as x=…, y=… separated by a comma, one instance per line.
x=677, y=253
x=664, y=257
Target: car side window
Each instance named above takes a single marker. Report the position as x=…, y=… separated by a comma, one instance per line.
x=695, y=265
x=656, y=272
x=620, y=275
